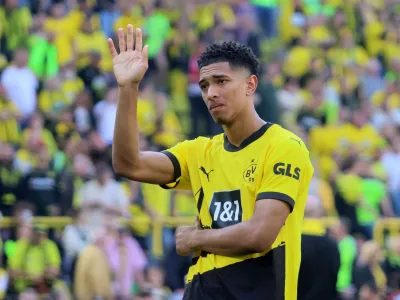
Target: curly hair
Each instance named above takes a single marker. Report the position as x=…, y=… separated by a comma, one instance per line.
x=236, y=54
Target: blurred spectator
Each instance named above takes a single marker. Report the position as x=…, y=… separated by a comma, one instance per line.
x=83, y=115
x=108, y=15
x=267, y=105
x=363, y=201
x=72, y=85
x=368, y=268
x=21, y=84
x=372, y=81
x=248, y=33
x=202, y=123
x=131, y=13
x=36, y=137
x=155, y=283
x=92, y=274
x=41, y=187
x=158, y=204
x=44, y=262
x=76, y=237
x=43, y=59
x=91, y=39
x=134, y=192
x=168, y=128
x=157, y=28
x=102, y=199
x=266, y=13
x=176, y=268
x=391, y=162
x=348, y=251
x=392, y=264
x=322, y=190
x=63, y=26
x=320, y=258
x=16, y=22
x=71, y=181
x=144, y=295
x=321, y=105
x=290, y=100
x=105, y=113
x=93, y=77
x=127, y=262
x=9, y=117
x=369, y=291
x=386, y=103
x=52, y=100
x=10, y=180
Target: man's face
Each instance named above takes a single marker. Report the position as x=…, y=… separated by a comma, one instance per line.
x=11, y=4
x=37, y=237
x=226, y=91
x=21, y=58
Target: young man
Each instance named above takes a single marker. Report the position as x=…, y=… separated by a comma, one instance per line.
x=250, y=184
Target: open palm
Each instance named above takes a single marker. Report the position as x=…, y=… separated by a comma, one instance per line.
x=132, y=62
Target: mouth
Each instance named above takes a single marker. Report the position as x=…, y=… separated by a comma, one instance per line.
x=215, y=106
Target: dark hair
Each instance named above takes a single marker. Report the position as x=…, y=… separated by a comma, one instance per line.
x=348, y=163
x=236, y=54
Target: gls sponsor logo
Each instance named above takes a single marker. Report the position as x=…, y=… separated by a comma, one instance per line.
x=287, y=170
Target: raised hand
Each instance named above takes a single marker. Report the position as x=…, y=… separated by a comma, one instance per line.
x=132, y=62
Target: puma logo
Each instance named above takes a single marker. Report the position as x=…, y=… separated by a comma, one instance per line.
x=205, y=173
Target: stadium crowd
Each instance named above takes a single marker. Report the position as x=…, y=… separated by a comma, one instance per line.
x=331, y=74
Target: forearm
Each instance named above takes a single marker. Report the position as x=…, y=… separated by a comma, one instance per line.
x=240, y=239
x=125, y=150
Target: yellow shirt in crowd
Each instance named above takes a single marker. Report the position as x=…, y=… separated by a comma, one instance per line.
x=33, y=259
x=64, y=29
x=96, y=41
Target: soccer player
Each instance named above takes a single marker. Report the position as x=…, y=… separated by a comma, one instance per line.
x=250, y=183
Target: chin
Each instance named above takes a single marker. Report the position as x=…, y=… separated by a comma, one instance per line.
x=220, y=121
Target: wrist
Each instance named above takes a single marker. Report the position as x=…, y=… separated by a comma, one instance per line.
x=130, y=86
x=197, y=240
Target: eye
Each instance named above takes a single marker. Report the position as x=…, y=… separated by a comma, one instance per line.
x=221, y=81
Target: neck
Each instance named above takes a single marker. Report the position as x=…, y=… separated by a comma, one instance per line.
x=243, y=127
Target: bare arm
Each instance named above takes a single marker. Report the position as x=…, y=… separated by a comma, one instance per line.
x=387, y=208
x=130, y=65
x=253, y=236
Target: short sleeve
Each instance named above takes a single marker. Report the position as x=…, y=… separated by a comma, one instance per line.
x=54, y=259
x=179, y=156
x=287, y=170
x=15, y=261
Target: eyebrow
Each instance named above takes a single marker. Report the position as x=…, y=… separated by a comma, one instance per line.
x=216, y=76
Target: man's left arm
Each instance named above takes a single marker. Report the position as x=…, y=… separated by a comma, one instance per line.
x=253, y=236
x=281, y=184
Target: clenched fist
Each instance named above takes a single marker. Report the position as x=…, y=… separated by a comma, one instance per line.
x=132, y=62
x=186, y=242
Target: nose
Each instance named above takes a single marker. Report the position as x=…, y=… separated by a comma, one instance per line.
x=212, y=92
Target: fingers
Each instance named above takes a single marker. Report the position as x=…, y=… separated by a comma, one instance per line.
x=139, y=40
x=111, y=46
x=129, y=38
x=121, y=40
x=145, y=53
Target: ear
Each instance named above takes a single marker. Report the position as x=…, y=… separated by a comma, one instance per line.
x=252, y=84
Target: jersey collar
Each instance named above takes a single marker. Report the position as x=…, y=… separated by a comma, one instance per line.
x=253, y=137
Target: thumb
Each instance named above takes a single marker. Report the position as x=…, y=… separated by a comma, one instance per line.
x=197, y=223
x=145, y=53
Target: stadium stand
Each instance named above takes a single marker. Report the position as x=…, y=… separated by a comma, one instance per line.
x=330, y=73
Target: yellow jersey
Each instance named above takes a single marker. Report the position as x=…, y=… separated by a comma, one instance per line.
x=226, y=181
